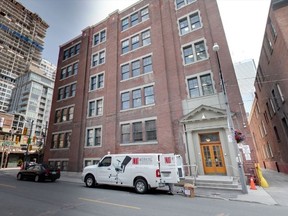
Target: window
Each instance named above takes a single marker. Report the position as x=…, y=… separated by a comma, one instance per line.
x=144, y=14
x=93, y=137
x=205, y=81
x=135, y=42
x=276, y=134
x=189, y=23
x=193, y=87
x=96, y=82
x=269, y=110
x=64, y=114
x=125, y=46
x=95, y=108
x=125, y=24
x=135, y=18
x=264, y=129
x=181, y=3
x=61, y=140
x=272, y=29
x=99, y=37
x=280, y=93
x=146, y=40
x=285, y=125
x=138, y=67
x=194, y=52
x=125, y=101
x=147, y=64
x=139, y=131
x=149, y=95
x=69, y=71
x=72, y=51
x=150, y=128
x=125, y=72
x=275, y=99
x=272, y=105
x=88, y=162
x=137, y=100
x=67, y=91
x=98, y=58
x=125, y=133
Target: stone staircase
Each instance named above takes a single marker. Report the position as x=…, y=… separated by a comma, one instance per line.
x=213, y=182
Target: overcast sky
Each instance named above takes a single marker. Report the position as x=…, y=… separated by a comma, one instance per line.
x=244, y=22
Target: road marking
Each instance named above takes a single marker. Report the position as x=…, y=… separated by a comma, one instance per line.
x=108, y=203
x=10, y=186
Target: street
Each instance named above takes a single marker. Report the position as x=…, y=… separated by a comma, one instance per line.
x=74, y=199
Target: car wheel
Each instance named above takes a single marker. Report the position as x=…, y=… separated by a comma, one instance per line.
x=141, y=186
x=19, y=176
x=53, y=180
x=90, y=181
x=37, y=178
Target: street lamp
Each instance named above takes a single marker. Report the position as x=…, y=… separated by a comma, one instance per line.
x=230, y=123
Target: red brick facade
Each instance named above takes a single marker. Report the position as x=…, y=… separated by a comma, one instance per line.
x=269, y=120
x=168, y=80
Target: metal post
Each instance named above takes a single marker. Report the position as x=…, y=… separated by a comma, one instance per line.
x=28, y=143
x=231, y=125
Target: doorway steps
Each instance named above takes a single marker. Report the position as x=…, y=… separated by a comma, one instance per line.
x=213, y=182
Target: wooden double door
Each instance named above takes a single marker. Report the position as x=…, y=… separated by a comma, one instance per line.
x=212, y=157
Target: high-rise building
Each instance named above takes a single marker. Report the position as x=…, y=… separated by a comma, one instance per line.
x=146, y=79
x=32, y=99
x=269, y=118
x=7, y=83
x=22, y=34
x=246, y=72
x=48, y=68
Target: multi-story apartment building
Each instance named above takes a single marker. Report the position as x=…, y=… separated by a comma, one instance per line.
x=7, y=83
x=48, y=68
x=269, y=119
x=146, y=79
x=31, y=100
x=246, y=72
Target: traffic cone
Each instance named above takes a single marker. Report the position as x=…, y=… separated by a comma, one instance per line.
x=252, y=184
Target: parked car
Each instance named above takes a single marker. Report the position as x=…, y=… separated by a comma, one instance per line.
x=39, y=172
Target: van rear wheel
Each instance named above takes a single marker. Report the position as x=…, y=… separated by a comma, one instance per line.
x=141, y=186
x=90, y=181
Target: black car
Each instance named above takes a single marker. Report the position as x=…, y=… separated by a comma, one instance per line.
x=39, y=172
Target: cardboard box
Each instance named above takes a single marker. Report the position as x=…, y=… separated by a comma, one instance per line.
x=189, y=190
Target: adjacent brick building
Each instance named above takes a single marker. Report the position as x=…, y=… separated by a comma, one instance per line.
x=269, y=120
x=146, y=79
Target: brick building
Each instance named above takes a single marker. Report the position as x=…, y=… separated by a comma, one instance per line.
x=146, y=79
x=269, y=121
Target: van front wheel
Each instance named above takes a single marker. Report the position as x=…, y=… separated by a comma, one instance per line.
x=90, y=181
x=141, y=186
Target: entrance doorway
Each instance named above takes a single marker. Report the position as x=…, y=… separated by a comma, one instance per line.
x=212, y=155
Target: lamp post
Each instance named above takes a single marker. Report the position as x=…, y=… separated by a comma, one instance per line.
x=230, y=124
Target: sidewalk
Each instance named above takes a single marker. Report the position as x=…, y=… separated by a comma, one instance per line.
x=276, y=194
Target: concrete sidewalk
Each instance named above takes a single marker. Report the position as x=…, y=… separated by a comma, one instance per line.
x=276, y=194
x=254, y=196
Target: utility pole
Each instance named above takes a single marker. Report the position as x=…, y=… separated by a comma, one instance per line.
x=28, y=143
x=231, y=125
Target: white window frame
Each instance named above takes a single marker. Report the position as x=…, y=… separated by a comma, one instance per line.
x=189, y=22
x=98, y=58
x=280, y=92
x=97, y=81
x=86, y=136
x=194, y=51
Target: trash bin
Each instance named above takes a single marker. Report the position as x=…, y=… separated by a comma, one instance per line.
x=189, y=190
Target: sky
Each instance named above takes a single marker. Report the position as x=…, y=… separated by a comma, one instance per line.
x=244, y=22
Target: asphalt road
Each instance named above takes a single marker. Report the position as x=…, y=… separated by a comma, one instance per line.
x=72, y=199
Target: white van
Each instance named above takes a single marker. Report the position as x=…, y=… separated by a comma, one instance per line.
x=141, y=171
